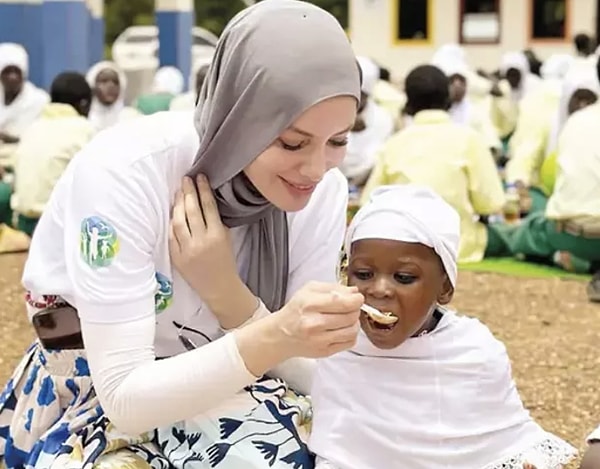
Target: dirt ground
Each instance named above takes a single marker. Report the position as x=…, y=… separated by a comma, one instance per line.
x=551, y=332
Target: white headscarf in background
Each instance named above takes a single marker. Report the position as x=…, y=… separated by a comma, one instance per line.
x=101, y=115
x=556, y=66
x=414, y=405
x=28, y=105
x=584, y=76
x=168, y=80
x=459, y=112
x=370, y=74
x=529, y=81
x=187, y=101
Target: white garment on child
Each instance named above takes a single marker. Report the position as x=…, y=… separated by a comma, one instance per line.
x=445, y=400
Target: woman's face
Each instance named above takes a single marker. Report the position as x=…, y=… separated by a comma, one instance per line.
x=406, y=279
x=458, y=88
x=514, y=77
x=108, y=86
x=288, y=172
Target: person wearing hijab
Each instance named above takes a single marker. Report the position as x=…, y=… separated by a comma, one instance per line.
x=529, y=145
x=21, y=102
x=383, y=91
x=432, y=390
x=372, y=128
x=108, y=83
x=187, y=271
x=479, y=86
x=517, y=83
x=567, y=231
x=168, y=84
x=187, y=101
x=48, y=146
x=452, y=159
x=465, y=110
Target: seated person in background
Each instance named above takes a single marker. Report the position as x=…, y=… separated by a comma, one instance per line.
x=452, y=159
x=109, y=86
x=517, y=84
x=570, y=224
x=467, y=111
x=373, y=126
x=20, y=101
x=432, y=390
x=48, y=145
x=535, y=138
x=168, y=84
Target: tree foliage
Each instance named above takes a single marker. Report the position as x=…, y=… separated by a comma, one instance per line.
x=210, y=14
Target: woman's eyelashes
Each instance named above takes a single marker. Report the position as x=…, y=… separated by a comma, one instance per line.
x=288, y=146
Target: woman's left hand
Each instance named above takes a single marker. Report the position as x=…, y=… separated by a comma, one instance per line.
x=200, y=245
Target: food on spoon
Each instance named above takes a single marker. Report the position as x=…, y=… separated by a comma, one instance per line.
x=386, y=318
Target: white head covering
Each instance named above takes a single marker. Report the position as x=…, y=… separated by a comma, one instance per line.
x=101, y=115
x=414, y=405
x=413, y=214
x=30, y=102
x=556, y=66
x=168, y=80
x=15, y=55
x=449, y=53
x=583, y=76
x=370, y=74
x=518, y=61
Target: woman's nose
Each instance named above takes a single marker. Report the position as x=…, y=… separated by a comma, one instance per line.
x=315, y=166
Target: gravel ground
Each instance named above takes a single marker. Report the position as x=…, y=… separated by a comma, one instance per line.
x=550, y=330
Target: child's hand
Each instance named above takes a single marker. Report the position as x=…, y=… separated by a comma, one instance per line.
x=528, y=466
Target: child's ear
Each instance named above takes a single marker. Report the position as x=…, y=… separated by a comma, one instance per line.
x=446, y=293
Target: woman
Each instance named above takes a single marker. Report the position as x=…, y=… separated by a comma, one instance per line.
x=108, y=83
x=111, y=261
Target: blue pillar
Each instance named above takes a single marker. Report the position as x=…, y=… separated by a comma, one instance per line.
x=175, y=19
x=32, y=40
x=65, y=36
x=11, y=21
x=96, y=38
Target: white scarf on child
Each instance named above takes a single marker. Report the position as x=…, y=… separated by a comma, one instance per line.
x=444, y=400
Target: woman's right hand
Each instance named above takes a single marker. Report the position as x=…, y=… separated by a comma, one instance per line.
x=320, y=320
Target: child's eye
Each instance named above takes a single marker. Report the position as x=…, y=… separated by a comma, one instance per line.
x=362, y=274
x=404, y=279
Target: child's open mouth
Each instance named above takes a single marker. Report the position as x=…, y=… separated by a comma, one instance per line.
x=378, y=320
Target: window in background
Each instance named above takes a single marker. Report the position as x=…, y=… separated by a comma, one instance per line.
x=549, y=19
x=480, y=21
x=413, y=20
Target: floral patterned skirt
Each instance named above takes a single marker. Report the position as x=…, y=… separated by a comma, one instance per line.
x=50, y=418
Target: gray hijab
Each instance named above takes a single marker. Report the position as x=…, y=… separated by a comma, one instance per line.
x=274, y=60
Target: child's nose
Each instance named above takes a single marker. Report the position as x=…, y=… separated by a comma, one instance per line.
x=381, y=287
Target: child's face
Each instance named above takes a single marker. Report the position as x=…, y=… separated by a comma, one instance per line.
x=406, y=279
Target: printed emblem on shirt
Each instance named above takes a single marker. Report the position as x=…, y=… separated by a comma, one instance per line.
x=164, y=293
x=98, y=242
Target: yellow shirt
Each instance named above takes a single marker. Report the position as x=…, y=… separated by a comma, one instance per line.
x=576, y=193
x=45, y=150
x=504, y=111
x=453, y=160
x=528, y=143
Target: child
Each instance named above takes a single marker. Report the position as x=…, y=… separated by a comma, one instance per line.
x=433, y=390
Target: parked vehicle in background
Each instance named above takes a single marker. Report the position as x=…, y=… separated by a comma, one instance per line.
x=139, y=44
